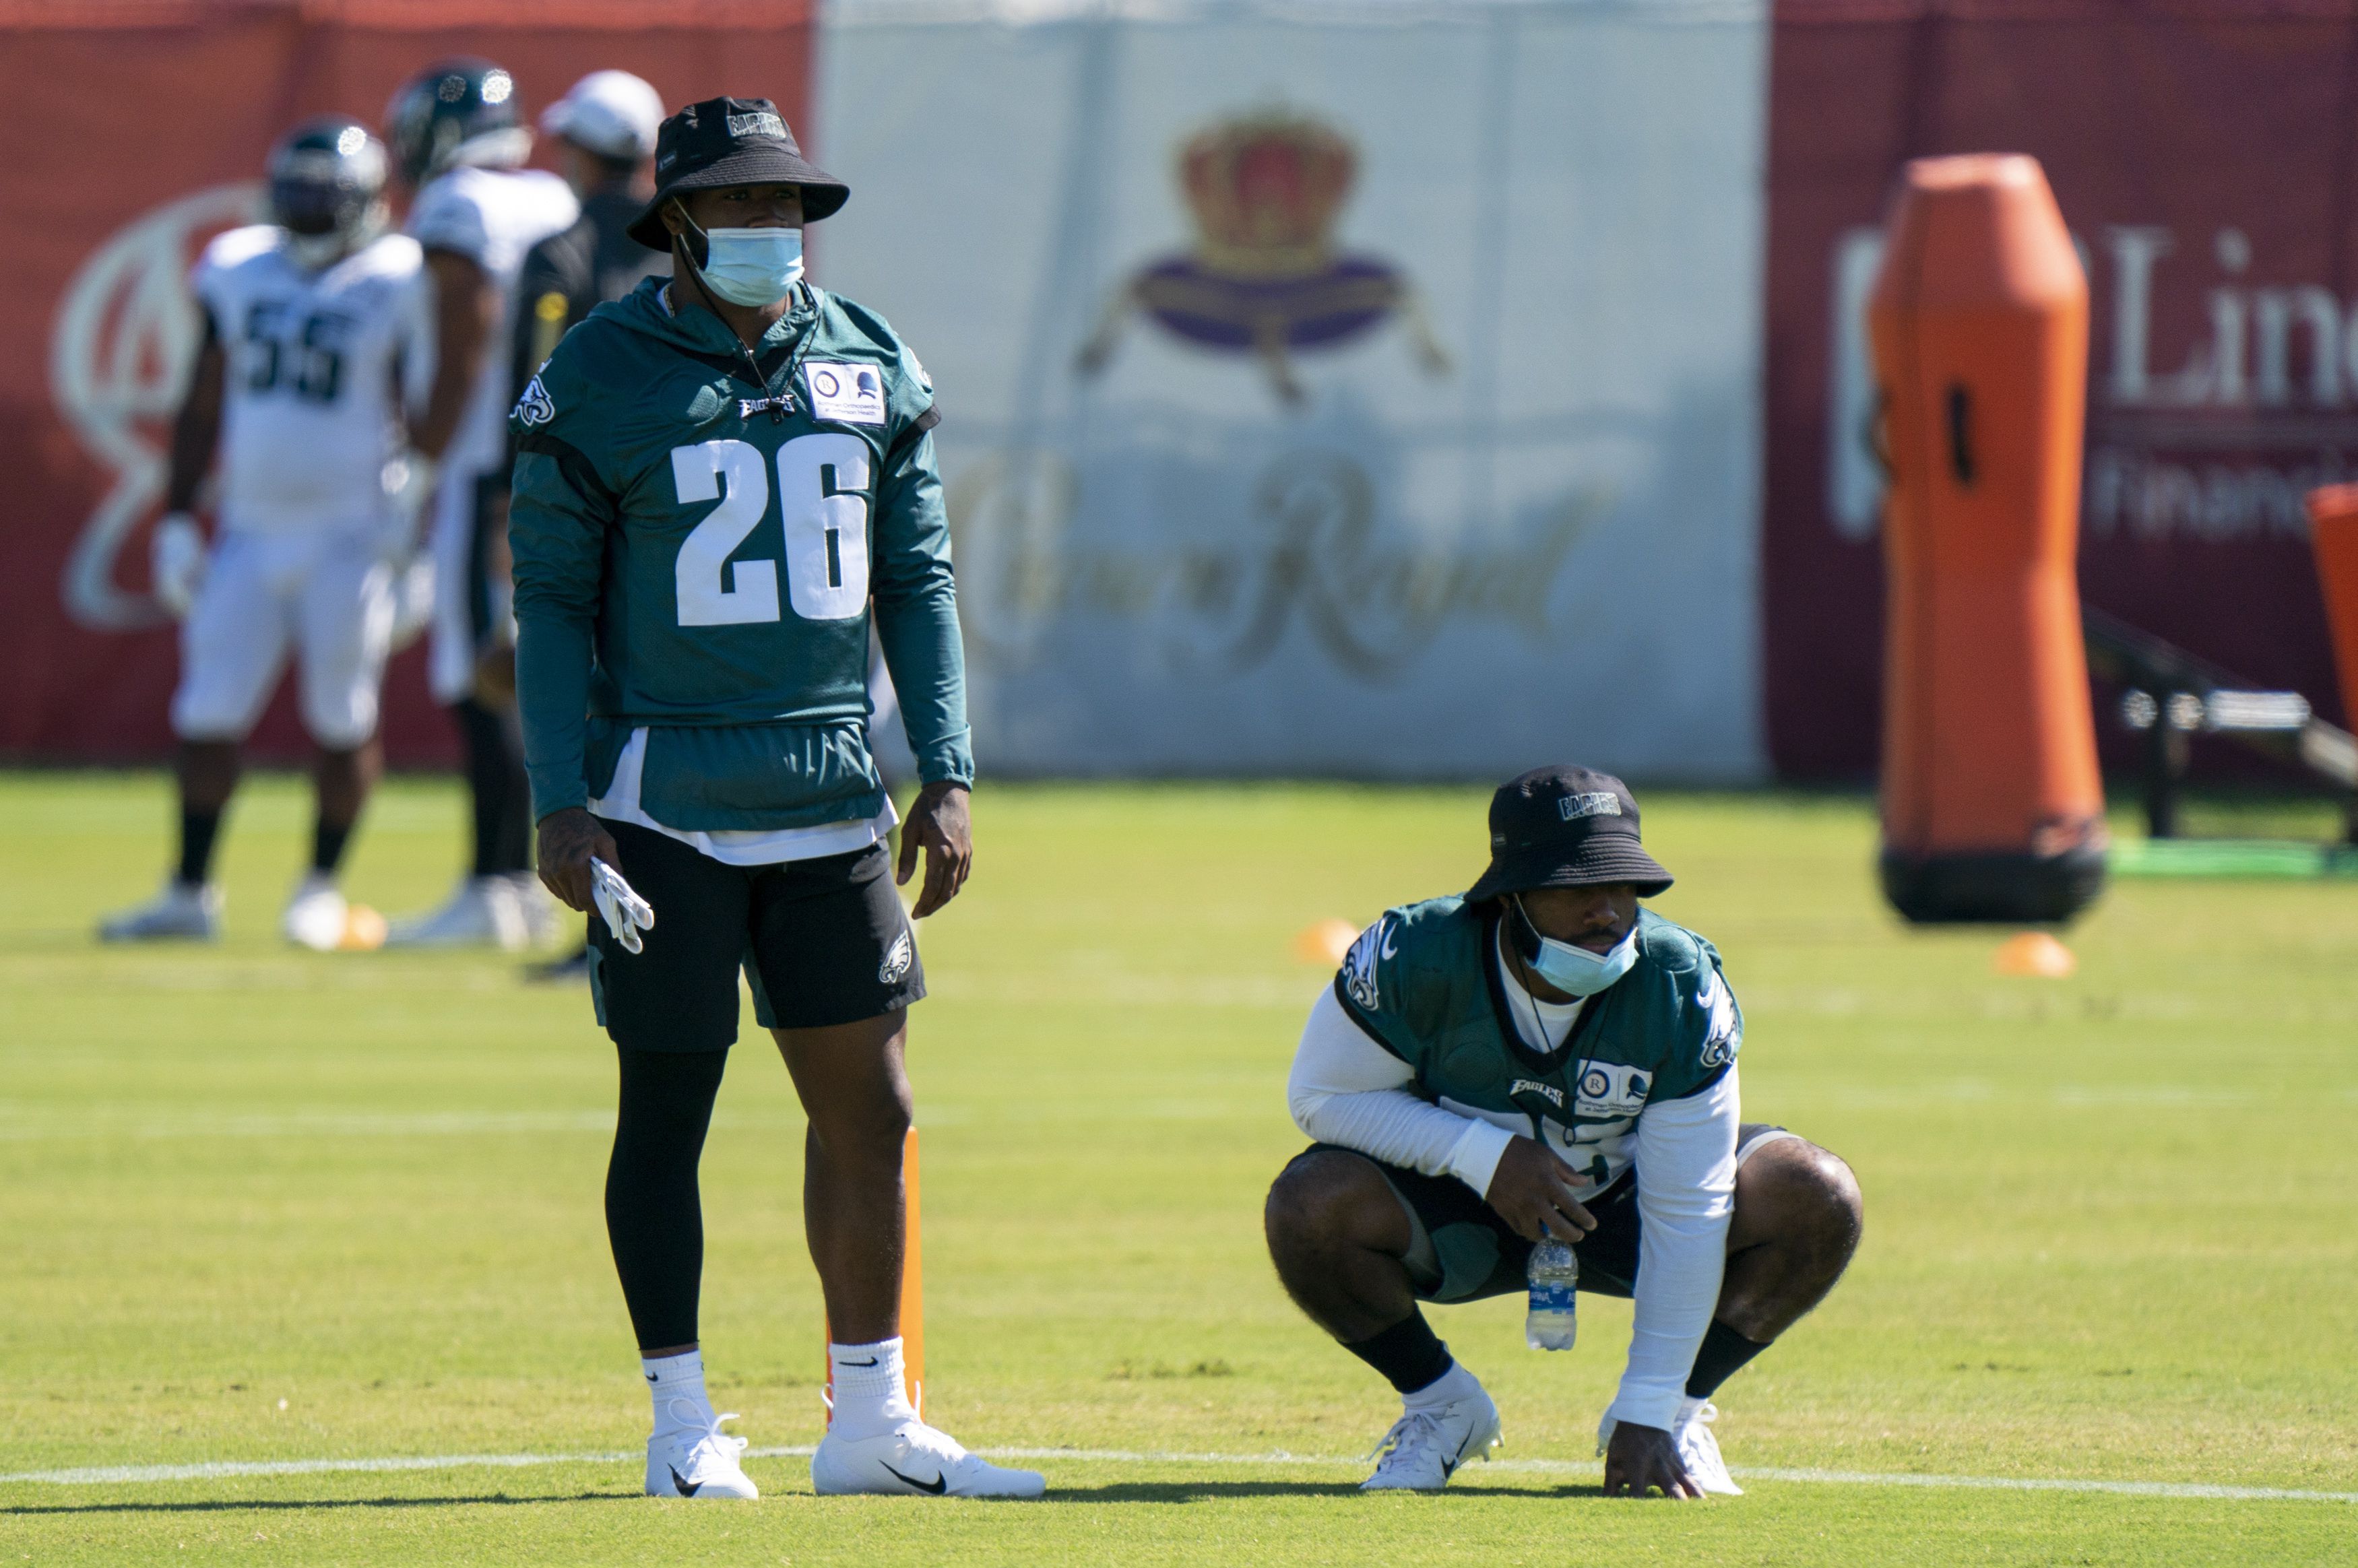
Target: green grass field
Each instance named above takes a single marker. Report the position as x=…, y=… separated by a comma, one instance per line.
x=264, y=1205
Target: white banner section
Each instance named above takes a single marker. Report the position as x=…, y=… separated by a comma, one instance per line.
x=1364, y=390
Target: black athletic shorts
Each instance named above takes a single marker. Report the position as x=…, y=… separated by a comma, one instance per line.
x=820, y=942
x=1461, y=1250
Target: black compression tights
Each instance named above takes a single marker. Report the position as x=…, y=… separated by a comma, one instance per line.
x=495, y=778
x=654, y=1216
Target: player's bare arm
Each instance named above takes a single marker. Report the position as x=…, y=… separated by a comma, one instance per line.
x=196, y=429
x=466, y=311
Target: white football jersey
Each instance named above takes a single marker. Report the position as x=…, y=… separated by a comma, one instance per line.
x=493, y=217
x=310, y=414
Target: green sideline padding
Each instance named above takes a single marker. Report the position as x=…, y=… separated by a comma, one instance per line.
x=2231, y=858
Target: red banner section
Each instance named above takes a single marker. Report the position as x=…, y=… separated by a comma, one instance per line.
x=2203, y=154
x=138, y=130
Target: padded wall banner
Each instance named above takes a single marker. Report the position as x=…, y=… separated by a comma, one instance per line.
x=135, y=132
x=1328, y=388
x=2202, y=155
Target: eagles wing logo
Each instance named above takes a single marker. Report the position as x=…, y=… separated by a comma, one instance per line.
x=1725, y=1036
x=1265, y=277
x=896, y=962
x=1359, y=965
x=536, y=407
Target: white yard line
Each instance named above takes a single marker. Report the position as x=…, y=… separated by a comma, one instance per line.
x=134, y=1474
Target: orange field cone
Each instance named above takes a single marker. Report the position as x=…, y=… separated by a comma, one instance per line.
x=364, y=930
x=1324, y=941
x=2035, y=954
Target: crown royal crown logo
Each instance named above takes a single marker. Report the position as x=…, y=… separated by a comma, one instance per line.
x=1265, y=192
x=1266, y=277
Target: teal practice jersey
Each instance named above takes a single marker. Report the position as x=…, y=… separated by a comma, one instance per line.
x=1425, y=982
x=698, y=535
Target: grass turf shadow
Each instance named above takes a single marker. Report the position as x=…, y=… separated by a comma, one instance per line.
x=1211, y=1491
x=285, y=1505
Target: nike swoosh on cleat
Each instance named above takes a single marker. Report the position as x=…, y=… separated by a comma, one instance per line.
x=686, y=1490
x=936, y=1486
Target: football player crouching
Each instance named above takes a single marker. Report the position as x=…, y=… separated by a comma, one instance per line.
x=1541, y=1058
x=312, y=324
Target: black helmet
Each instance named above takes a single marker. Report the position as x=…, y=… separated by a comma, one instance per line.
x=459, y=104
x=327, y=175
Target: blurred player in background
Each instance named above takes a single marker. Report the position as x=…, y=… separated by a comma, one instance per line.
x=457, y=136
x=312, y=321
x=604, y=129
x=1541, y=1058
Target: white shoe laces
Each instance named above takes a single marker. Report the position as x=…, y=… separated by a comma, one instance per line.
x=707, y=1429
x=1412, y=1433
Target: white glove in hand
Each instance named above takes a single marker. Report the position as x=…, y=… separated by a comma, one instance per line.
x=626, y=914
x=176, y=563
x=413, y=600
x=408, y=482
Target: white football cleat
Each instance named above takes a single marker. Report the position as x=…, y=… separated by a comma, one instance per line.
x=317, y=914
x=180, y=913
x=1424, y=1447
x=1698, y=1449
x=914, y=1459
x=697, y=1459
x=484, y=912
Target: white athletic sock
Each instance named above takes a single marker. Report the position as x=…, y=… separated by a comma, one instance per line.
x=872, y=1397
x=1455, y=1384
x=672, y=1379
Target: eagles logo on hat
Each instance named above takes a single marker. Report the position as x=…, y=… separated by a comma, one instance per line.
x=1565, y=826
x=731, y=141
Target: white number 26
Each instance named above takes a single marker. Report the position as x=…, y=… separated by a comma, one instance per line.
x=824, y=522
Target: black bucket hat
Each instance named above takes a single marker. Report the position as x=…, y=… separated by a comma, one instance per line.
x=1566, y=827
x=731, y=141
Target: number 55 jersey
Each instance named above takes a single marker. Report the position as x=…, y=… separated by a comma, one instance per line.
x=700, y=531
x=311, y=411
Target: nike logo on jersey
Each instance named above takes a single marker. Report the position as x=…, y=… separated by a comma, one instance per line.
x=687, y=1488
x=937, y=1486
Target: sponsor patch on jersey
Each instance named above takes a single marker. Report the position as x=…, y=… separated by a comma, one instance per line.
x=1596, y=803
x=896, y=962
x=536, y=407
x=852, y=393
x=1611, y=1088
x=1360, y=964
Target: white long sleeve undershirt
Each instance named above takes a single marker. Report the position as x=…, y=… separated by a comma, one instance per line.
x=1347, y=1090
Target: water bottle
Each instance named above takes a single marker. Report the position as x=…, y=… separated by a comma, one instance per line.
x=1554, y=1274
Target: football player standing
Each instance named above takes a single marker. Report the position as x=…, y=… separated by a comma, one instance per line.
x=605, y=128
x=721, y=481
x=312, y=322
x=457, y=136
x=1539, y=1057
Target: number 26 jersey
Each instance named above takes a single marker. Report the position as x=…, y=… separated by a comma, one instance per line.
x=311, y=412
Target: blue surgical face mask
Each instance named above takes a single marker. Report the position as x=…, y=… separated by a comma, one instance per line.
x=1576, y=970
x=752, y=266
